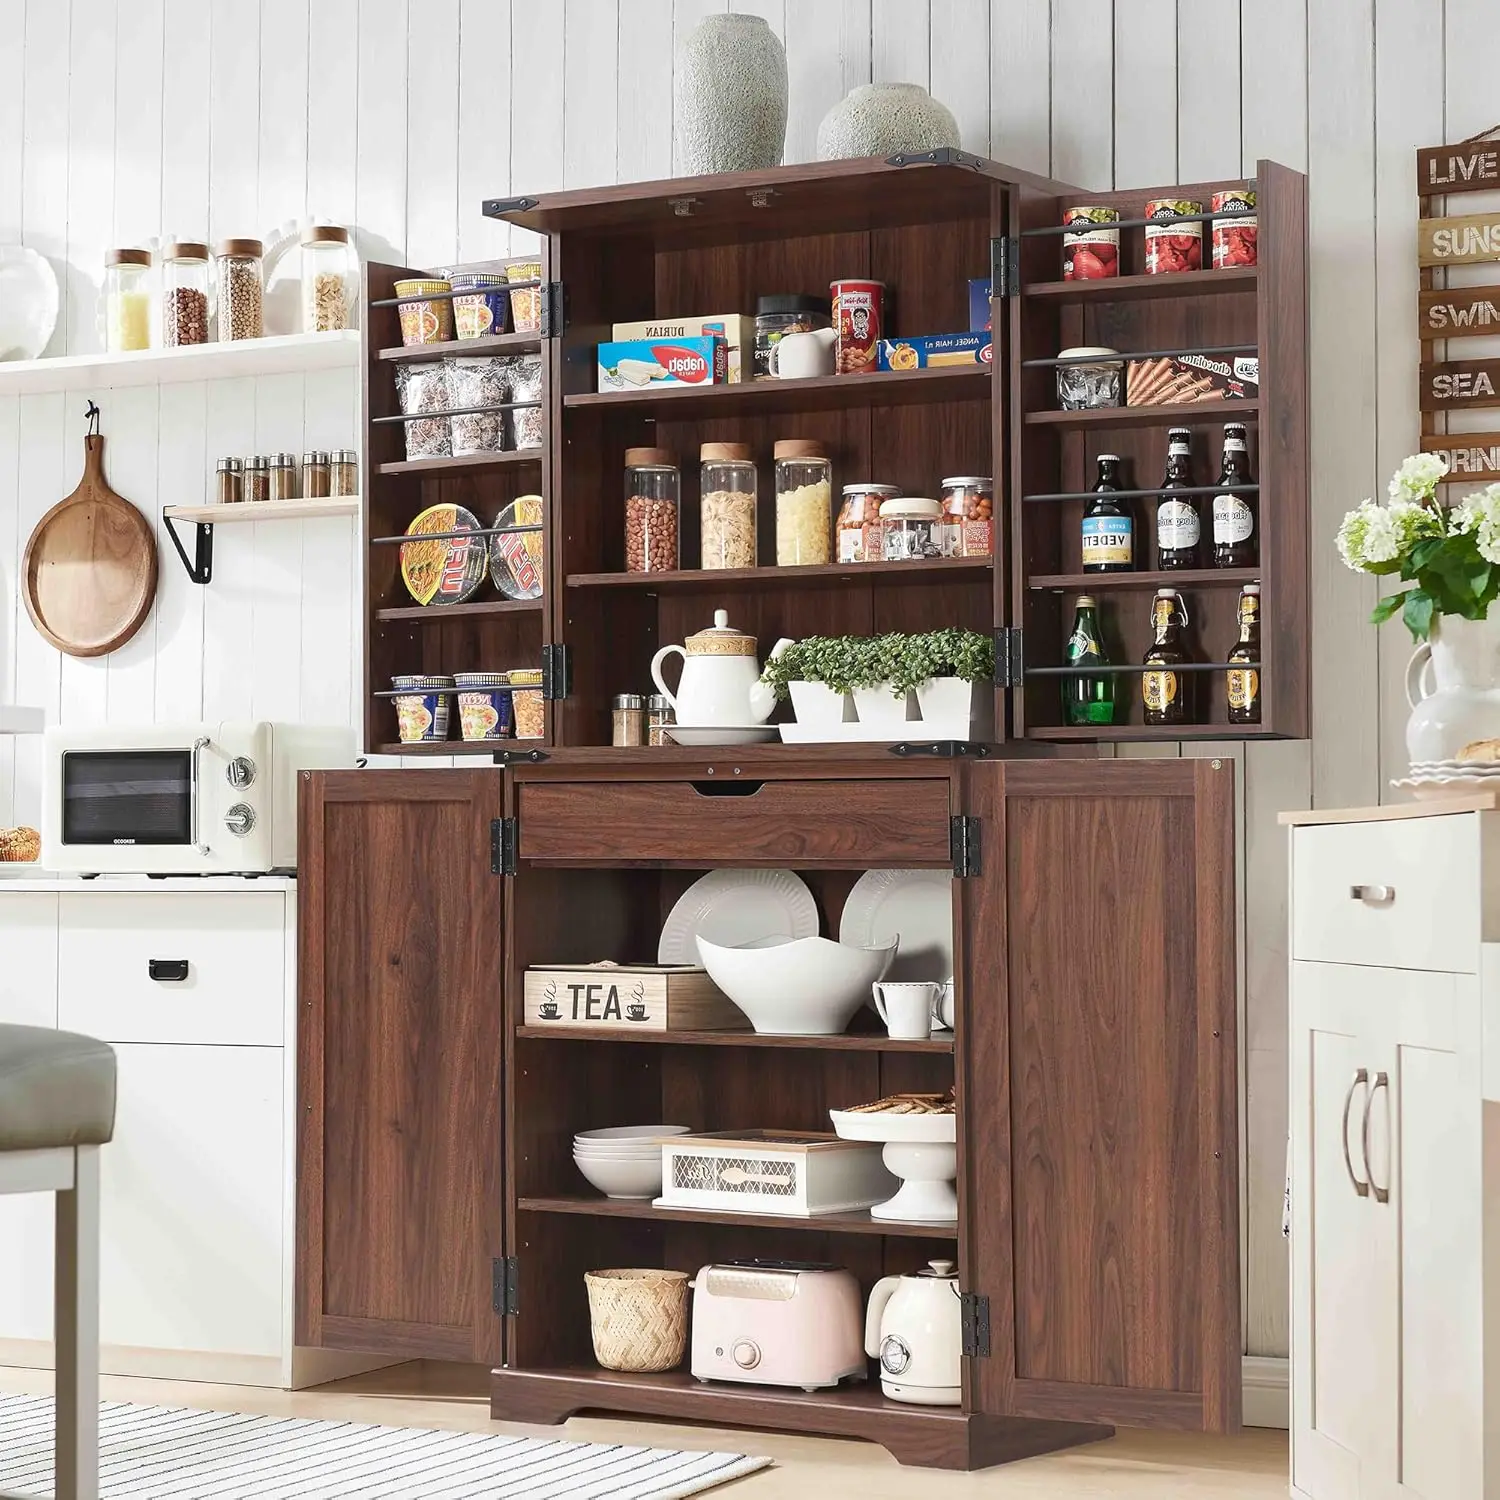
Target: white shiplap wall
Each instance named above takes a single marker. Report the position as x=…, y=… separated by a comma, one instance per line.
x=122, y=121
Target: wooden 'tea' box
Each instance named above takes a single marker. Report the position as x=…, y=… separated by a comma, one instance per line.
x=640, y=997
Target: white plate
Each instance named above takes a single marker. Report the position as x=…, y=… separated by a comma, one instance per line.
x=28, y=303
x=1446, y=786
x=721, y=734
x=887, y=1127
x=917, y=905
x=738, y=909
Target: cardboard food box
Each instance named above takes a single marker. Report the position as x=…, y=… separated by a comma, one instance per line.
x=737, y=331
x=935, y=349
x=979, y=304
x=632, y=364
x=628, y=997
x=1190, y=378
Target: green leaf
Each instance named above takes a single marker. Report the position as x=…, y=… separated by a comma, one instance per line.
x=1388, y=606
x=1421, y=556
x=1417, y=613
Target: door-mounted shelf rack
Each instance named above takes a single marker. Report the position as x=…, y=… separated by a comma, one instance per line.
x=204, y=518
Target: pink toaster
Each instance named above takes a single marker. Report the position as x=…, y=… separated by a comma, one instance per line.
x=777, y=1322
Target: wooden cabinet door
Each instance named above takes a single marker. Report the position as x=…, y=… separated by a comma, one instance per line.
x=1097, y=1072
x=399, y=1063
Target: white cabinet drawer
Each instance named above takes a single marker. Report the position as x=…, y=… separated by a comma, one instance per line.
x=1394, y=893
x=234, y=947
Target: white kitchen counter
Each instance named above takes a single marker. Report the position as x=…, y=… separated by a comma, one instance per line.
x=34, y=879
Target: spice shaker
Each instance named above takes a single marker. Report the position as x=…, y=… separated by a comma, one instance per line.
x=229, y=481
x=281, y=477
x=726, y=506
x=804, y=503
x=659, y=717
x=628, y=720
x=316, y=477
x=257, y=478
x=343, y=473
x=653, y=492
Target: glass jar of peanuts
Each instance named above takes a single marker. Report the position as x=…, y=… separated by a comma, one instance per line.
x=327, y=278
x=184, y=294
x=726, y=506
x=653, y=495
x=860, y=536
x=967, y=528
x=804, y=503
x=239, y=268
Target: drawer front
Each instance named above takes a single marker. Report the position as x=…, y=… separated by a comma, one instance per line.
x=1403, y=894
x=233, y=947
x=891, y=821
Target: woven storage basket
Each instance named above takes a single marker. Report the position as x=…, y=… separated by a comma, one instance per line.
x=638, y=1318
x=19, y=845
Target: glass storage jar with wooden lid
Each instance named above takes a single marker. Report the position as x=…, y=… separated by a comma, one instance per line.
x=239, y=267
x=653, y=496
x=726, y=506
x=184, y=294
x=127, y=302
x=804, y=503
x=328, y=275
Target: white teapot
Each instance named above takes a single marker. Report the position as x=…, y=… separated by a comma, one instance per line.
x=913, y=1327
x=801, y=356
x=720, y=683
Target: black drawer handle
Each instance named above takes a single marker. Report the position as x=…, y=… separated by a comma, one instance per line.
x=727, y=788
x=173, y=969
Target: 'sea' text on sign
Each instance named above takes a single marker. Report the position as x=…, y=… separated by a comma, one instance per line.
x=1460, y=382
x=1470, y=455
x=1465, y=240
x=1458, y=169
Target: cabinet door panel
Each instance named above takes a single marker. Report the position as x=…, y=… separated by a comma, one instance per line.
x=399, y=1063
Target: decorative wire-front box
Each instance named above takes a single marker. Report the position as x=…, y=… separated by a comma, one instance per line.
x=792, y=1172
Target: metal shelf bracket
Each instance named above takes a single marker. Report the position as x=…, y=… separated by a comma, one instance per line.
x=200, y=567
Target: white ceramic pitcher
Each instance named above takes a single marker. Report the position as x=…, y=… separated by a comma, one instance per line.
x=1453, y=686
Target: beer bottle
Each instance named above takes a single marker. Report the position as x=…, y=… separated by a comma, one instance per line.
x=1177, y=523
x=1242, y=684
x=1088, y=700
x=1108, y=529
x=1164, y=694
x=1236, y=532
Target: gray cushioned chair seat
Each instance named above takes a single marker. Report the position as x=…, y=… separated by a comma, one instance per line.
x=56, y=1089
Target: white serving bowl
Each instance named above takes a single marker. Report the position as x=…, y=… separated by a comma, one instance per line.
x=810, y=986
x=626, y=1178
x=626, y=1134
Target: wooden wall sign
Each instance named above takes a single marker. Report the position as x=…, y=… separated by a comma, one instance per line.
x=1460, y=382
x=1460, y=312
x=1470, y=455
x=1465, y=168
x=1464, y=240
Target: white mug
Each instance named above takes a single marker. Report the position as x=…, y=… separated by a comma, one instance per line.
x=906, y=1008
x=942, y=1007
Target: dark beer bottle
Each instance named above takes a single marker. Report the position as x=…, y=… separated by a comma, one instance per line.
x=1236, y=529
x=1088, y=700
x=1177, y=522
x=1164, y=693
x=1108, y=528
x=1242, y=684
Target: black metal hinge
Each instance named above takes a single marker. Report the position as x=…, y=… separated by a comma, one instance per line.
x=938, y=156
x=963, y=844
x=498, y=208
x=557, y=671
x=939, y=749
x=504, y=837
x=1010, y=668
x=200, y=567
x=554, y=309
x=974, y=1324
x=1005, y=266
x=519, y=757
x=505, y=1275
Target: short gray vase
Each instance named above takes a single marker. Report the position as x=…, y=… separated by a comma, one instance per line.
x=729, y=96
x=885, y=119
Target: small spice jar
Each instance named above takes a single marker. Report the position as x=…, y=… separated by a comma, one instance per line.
x=317, y=476
x=628, y=720
x=127, y=302
x=910, y=526
x=184, y=294
x=343, y=472
x=257, y=477
x=859, y=528
x=238, y=264
x=726, y=506
x=229, y=481
x=653, y=496
x=804, y=503
x=281, y=477
x=968, y=526
x=659, y=718
x=327, y=278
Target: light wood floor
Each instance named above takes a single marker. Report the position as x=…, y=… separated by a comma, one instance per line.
x=1135, y=1466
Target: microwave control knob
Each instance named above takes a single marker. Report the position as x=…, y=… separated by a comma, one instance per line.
x=240, y=772
x=240, y=819
x=746, y=1354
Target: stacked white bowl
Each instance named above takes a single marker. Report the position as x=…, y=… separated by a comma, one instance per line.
x=623, y=1161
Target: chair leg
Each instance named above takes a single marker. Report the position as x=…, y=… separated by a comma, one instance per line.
x=76, y=1321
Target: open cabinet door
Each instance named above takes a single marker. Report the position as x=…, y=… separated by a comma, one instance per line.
x=1097, y=1057
x=399, y=1207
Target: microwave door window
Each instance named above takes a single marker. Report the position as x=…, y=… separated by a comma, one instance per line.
x=127, y=797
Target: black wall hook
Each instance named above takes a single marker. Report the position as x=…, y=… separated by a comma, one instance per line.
x=93, y=419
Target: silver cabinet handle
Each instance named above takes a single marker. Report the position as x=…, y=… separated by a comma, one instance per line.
x=1360, y=1077
x=1373, y=895
x=1382, y=1081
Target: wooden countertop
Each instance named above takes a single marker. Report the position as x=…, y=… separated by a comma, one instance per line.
x=1435, y=807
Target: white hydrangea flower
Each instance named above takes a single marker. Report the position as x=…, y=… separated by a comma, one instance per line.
x=1366, y=532
x=1414, y=522
x=1381, y=542
x=1418, y=477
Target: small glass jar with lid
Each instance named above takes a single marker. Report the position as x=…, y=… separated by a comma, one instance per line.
x=184, y=294
x=229, y=481
x=328, y=266
x=281, y=471
x=239, y=268
x=859, y=529
x=726, y=506
x=659, y=718
x=317, y=475
x=628, y=720
x=343, y=472
x=127, y=300
x=804, y=504
x=910, y=525
x=968, y=528
x=257, y=477
x=653, y=498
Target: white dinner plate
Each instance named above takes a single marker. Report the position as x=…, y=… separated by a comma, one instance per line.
x=917, y=905
x=721, y=734
x=738, y=909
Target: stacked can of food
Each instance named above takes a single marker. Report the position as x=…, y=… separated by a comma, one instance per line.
x=726, y=506
x=1091, y=245
x=1172, y=245
x=1235, y=238
x=860, y=534
x=859, y=320
x=653, y=495
x=804, y=503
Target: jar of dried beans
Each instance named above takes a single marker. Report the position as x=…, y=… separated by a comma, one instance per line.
x=127, y=302
x=804, y=503
x=653, y=494
x=238, y=264
x=327, y=278
x=860, y=535
x=726, y=506
x=184, y=294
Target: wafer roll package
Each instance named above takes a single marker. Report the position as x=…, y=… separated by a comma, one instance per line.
x=1183, y=378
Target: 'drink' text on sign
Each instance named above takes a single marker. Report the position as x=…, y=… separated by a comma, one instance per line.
x=1470, y=455
x=1458, y=169
x=1464, y=240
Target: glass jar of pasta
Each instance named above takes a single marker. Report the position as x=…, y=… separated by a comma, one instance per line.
x=804, y=503
x=726, y=506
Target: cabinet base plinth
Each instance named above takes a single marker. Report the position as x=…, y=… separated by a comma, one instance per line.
x=939, y=1437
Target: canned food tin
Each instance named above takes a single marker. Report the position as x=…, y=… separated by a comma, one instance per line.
x=859, y=320
x=1091, y=251
x=1235, y=240
x=1172, y=248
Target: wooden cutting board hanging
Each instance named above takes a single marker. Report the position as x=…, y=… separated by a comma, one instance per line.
x=89, y=570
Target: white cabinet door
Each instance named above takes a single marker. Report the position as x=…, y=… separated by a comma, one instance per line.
x=193, y=1199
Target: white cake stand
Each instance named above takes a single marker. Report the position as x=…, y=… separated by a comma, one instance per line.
x=921, y=1150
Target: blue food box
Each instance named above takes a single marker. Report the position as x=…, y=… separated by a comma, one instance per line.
x=935, y=349
x=979, y=305
x=634, y=364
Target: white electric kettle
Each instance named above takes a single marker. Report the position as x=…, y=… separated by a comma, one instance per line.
x=913, y=1327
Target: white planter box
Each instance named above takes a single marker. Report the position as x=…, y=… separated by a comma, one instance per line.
x=950, y=700
x=817, y=704
x=878, y=705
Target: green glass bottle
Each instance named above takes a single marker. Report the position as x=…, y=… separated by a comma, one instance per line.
x=1088, y=700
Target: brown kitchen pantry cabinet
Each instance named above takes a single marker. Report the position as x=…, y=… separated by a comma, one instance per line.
x=1094, y=1058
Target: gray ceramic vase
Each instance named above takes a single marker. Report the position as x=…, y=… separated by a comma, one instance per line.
x=729, y=93
x=882, y=119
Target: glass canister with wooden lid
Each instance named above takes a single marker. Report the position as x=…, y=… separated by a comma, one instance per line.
x=726, y=506
x=653, y=497
x=804, y=503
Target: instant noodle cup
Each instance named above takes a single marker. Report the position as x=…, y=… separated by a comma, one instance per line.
x=422, y=714
x=484, y=707
x=516, y=557
x=424, y=322
x=525, y=301
x=447, y=569
x=483, y=312
x=526, y=701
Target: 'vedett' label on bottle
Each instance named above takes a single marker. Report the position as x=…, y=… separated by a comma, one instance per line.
x=1108, y=539
x=1233, y=520
x=1177, y=526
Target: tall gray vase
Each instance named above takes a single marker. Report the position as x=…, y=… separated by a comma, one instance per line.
x=729, y=95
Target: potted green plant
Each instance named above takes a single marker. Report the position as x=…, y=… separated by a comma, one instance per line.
x=882, y=679
x=953, y=675
x=816, y=674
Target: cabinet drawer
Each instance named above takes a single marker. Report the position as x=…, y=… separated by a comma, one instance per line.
x=233, y=946
x=1429, y=920
x=892, y=822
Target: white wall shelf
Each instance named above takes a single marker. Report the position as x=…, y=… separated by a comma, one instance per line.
x=15, y=720
x=282, y=354
x=264, y=510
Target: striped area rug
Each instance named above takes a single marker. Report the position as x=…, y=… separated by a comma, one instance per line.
x=161, y=1453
